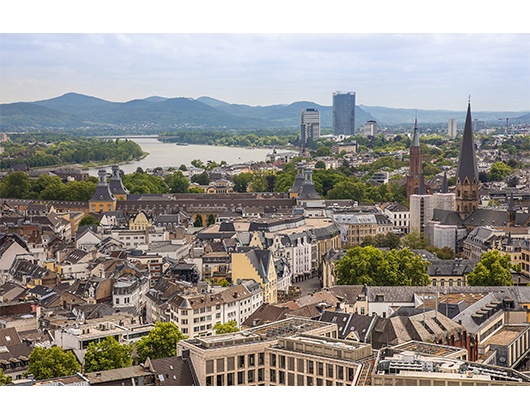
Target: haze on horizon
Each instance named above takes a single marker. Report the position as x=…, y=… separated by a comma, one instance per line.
x=423, y=71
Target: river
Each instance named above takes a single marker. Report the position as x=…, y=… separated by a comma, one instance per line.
x=167, y=155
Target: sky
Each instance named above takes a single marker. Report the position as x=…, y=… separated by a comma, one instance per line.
x=424, y=70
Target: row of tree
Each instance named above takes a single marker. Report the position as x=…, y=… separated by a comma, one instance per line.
x=54, y=362
x=371, y=266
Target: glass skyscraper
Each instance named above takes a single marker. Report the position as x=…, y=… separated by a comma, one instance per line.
x=344, y=113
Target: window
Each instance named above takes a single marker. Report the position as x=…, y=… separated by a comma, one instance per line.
x=329, y=369
x=241, y=363
x=220, y=365
x=309, y=380
x=220, y=380
x=282, y=362
x=320, y=368
x=272, y=374
x=252, y=360
x=273, y=360
x=261, y=359
x=290, y=379
x=261, y=375
x=340, y=372
x=209, y=366
x=250, y=376
x=310, y=367
x=230, y=379
x=290, y=361
x=230, y=362
x=300, y=365
x=300, y=380
x=281, y=377
x=209, y=380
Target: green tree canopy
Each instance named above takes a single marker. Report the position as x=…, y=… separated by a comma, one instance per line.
x=493, y=269
x=241, y=181
x=52, y=363
x=15, y=185
x=227, y=327
x=160, y=342
x=415, y=240
x=177, y=182
x=88, y=220
x=201, y=179
x=108, y=354
x=198, y=221
x=4, y=379
x=499, y=171
x=373, y=267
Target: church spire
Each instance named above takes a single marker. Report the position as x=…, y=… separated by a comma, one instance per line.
x=415, y=138
x=467, y=181
x=467, y=164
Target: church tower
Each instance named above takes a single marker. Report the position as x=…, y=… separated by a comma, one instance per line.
x=467, y=181
x=415, y=183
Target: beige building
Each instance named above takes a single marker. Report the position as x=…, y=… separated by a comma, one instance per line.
x=257, y=265
x=140, y=222
x=434, y=365
x=295, y=351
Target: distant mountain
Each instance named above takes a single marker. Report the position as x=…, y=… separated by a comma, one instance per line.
x=396, y=116
x=156, y=114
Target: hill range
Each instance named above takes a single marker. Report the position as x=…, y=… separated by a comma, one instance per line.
x=155, y=114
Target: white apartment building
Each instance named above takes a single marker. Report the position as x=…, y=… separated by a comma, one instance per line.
x=196, y=314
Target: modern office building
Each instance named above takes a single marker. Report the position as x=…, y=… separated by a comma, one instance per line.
x=452, y=128
x=344, y=113
x=309, y=126
x=370, y=129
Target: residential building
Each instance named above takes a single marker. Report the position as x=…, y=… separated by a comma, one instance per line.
x=370, y=129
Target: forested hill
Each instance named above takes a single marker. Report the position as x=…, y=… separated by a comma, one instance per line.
x=153, y=115
x=156, y=114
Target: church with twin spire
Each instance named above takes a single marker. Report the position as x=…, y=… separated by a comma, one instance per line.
x=446, y=218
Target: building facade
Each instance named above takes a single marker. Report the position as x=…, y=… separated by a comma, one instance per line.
x=344, y=113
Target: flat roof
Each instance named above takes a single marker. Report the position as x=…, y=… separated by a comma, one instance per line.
x=506, y=335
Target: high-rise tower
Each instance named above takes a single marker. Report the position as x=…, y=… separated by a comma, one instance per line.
x=344, y=113
x=309, y=126
x=467, y=181
x=415, y=183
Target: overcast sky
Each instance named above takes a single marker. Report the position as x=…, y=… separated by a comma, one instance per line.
x=413, y=70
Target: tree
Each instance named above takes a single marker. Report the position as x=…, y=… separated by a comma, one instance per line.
x=227, y=327
x=52, y=363
x=198, y=221
x=241, y=182
x=16, y=185
x=160, y=342
x=415, y=240
x=210, y=220
x=499, y=171
x=4, y=379
x=493, y=269
x=88, y=220
x=444, y=253
x=373, y=267
x=108, y=354
x=201, y=179
x=183, y=168
x=320, y=165
x=177, y=182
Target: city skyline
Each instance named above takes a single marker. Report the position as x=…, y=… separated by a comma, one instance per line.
x=423, y=71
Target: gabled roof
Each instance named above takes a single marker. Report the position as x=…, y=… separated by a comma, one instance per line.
x=172, y=371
